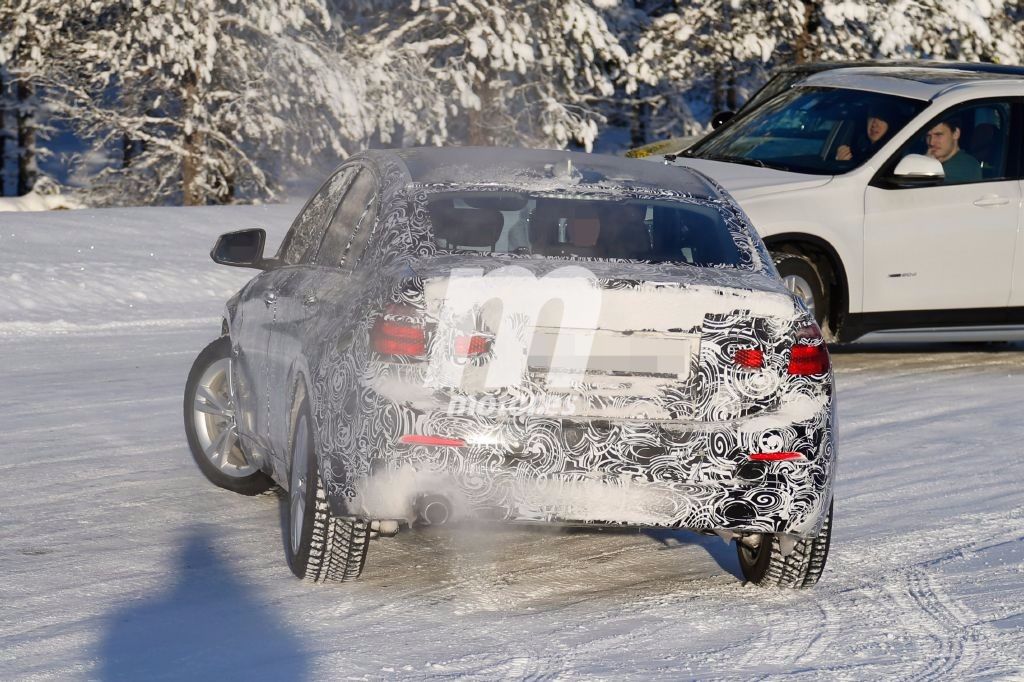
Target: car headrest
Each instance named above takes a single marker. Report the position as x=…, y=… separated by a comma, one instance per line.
x=472, y=227
x=583, y=231
x=543, y=224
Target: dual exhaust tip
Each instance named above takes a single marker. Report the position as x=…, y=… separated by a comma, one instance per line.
x=433, y=510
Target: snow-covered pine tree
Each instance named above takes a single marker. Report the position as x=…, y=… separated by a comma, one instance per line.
x=206, y=100
x=960, y=30
x=32, y=33
x=530, y=72
x=715, y=49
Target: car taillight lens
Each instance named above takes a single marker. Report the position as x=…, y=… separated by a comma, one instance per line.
x=399, y=332
x=804, y=359
x=751, y=358
x=471, y=346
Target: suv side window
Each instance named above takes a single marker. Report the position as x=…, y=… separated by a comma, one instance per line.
x=978, y=134
x=350, y=228
x=308, y=229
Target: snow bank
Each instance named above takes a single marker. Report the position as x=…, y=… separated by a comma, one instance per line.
x=72, y=270
x=34, y=201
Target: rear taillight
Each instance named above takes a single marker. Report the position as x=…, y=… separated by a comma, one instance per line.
x=471, y=346
x=399, y=332
x=751, y=358
x=810, y=354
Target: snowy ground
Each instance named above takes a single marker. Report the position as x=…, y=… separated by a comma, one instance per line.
x=117, y=560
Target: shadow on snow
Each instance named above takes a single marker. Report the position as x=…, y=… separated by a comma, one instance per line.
x=207, y=623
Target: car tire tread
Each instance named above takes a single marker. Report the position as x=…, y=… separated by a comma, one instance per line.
x=802, y=567
x=332, y=548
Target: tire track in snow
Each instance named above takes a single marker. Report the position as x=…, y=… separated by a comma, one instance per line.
x=948, y=631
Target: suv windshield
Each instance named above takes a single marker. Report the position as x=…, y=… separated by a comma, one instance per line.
x=651, y=231
x=822, y=131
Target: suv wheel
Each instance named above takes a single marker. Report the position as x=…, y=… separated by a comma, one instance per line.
x=801, y=277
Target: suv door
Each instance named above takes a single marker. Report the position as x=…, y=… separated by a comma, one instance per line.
x=1016, y=304
x=312, y=288
x=948, y=247
x=259, y=310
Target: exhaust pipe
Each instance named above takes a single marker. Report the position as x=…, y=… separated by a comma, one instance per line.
x=433, y=510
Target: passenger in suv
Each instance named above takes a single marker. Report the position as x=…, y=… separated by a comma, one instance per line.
x=877, y=133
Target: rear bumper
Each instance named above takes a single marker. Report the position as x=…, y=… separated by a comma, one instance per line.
x=599, y=472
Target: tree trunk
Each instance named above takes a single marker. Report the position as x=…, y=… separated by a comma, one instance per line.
x=127, y=150
x=803, y=45
x=478, y=132
x=3, y=135
x=191, y=162
x=731, y=96
x=27, y=168
x=639, y=124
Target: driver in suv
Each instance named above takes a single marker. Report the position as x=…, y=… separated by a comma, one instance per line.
x=944, y=144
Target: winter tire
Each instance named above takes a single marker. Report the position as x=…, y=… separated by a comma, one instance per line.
x=321, y=547
x=210, y=424
x=765, y=564
x=801, y=277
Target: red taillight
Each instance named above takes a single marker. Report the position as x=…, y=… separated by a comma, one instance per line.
x=751, y=358
x=808, y=360
x=399, y=332
x=775, y=456
x=471, y=346
x=432, y=440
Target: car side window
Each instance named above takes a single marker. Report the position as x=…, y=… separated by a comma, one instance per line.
x=971, y=140
x=350, y=228
x=308, y=229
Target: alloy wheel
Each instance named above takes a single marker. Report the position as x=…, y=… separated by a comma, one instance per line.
x=213, y=415
x=802, y=288
x=298, y=489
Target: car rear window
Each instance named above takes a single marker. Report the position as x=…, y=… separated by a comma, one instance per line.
x=652, y=231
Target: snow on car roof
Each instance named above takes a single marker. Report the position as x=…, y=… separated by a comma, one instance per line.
x=918, y=83
x=547, y=170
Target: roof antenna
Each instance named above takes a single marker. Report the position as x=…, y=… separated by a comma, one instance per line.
x=565, y=170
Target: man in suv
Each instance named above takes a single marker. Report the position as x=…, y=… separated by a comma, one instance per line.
x=944, y=145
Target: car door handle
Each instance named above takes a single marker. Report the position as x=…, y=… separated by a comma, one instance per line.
x=270, y=298
x=992, y=200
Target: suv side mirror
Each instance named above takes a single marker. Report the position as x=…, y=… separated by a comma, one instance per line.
x=918, y=170
x=242, y=249
x=721, y=118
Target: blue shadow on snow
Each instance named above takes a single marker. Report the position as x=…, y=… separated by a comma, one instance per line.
x=207, y=624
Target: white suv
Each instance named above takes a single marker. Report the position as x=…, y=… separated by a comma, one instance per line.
x=889, y=197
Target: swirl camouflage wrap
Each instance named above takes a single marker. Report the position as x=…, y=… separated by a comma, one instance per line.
x=558, y=388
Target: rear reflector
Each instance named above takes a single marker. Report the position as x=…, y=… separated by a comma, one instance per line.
x=751, y=358
x=775, y=456
x=432, y=440
x=808, y=360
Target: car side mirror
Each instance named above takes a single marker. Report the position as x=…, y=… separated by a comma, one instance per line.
x=721, y=118
x=242, y=249
x=918, y=170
